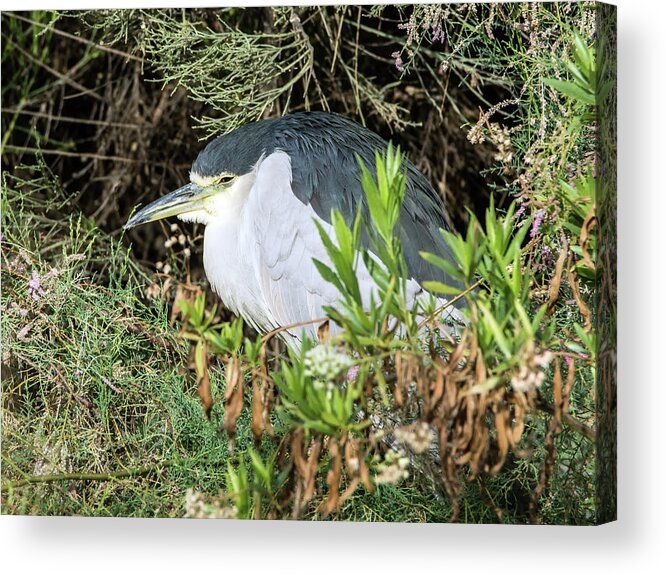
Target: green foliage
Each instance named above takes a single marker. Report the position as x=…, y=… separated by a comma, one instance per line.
x=240, y=75
x=368, y=323
x=313, y=396
x=584, y=73
x=238, y=487
x=223, y=338
x=98, y=418
x=580, y=198
x=28, y=47
x=345, y=259
x=251, y=72
x=491, y=259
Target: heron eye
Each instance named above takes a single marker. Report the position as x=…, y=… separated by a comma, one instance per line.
x=226, y=179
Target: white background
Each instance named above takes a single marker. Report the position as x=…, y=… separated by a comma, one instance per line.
x=636, y=543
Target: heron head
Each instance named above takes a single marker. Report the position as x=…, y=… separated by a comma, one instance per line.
x=220, y=179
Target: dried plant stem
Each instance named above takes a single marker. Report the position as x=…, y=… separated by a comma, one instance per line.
x=112, y=476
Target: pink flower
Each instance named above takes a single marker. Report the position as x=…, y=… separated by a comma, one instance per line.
x=399, y=64
x=538, y=219
x=547, y=257
x=437, y=33
x=352, y=372
x=34, y=289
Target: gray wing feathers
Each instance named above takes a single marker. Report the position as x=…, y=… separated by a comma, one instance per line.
x=287, y=240
x=326, y=175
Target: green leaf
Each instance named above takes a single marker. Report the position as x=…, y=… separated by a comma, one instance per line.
x=487, y=385
x=237, y=486
x=343, y=235
x=496, y=330
x=260, y=468
x=572, y=90
x=516, y=279
x=581, y=80
x=538, y=316
x=519, y=236
x=200, y=358
x=383, y=387
x=444, y=265
x=584, y=53
x=575, y=347
x=524, y=318
x=327, y=273
x=439, y=287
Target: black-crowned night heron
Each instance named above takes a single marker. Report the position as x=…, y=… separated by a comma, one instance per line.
x=258, y=189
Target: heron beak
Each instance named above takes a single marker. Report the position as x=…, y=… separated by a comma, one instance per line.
x=186, y=199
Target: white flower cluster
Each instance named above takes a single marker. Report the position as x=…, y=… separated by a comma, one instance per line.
x=475, y=134
x=153, y=291
x=324, y=364
x=531, y=374
x=179, y=239
x=501, y=136
x=417, y=436
x=393, y=468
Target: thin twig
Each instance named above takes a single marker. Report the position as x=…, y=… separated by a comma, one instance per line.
x=72, y=119
x=112, y=476
x=87, y=155
x=453, y=300
x=280, y=329
x=568, y=419
x=79, y=39
x=62, y=77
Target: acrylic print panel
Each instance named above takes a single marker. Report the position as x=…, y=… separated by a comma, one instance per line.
x=196, y=361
